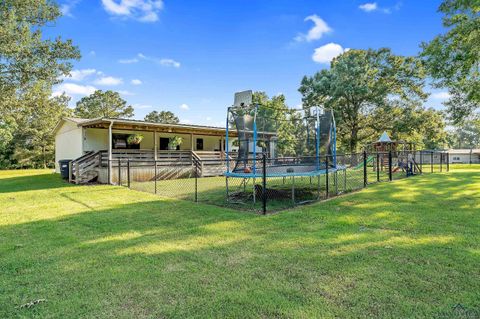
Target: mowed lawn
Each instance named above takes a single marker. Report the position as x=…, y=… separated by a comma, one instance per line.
x=406, y=249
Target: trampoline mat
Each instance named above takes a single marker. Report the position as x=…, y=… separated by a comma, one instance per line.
x=283, y=170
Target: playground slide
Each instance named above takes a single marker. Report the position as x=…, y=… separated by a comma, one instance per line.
x=369, y=160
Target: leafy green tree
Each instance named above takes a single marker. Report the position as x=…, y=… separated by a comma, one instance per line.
x=467, y=135
x=103, y=104
x=26, y=57
x=459, y=107
x=453, y=58
x=30, y=63
x=357, y=84
x=275, y=116
x=165, y=117
x=411, y=122
x=33, y=142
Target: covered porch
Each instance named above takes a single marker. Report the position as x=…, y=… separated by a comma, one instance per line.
x=107, y=144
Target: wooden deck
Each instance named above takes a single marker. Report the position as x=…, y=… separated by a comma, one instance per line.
x=143, y=166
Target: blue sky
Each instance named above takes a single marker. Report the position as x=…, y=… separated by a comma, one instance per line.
x=190, y=56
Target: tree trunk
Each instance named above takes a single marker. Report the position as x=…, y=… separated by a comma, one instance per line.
x=353, y=139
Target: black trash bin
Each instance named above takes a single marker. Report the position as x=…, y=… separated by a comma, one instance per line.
x=64, y=168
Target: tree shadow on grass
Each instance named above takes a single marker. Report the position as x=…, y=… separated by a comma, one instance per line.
x=32, y=182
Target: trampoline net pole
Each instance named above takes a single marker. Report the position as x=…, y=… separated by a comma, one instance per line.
x=226, y=142
x=317, y=140
x=264, y=188
x=255, y=139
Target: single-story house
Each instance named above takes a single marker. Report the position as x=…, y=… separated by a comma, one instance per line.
x=94, y=146
x=464, y=156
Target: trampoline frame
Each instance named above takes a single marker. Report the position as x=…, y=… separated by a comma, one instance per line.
x=264, y=173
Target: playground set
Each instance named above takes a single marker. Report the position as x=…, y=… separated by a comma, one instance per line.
x=402, y=151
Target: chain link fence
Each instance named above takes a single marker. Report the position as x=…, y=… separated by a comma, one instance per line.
x=276, y=184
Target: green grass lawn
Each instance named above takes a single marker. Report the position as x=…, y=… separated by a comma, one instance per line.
x=406, y=249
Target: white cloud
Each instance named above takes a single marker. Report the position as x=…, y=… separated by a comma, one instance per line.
x=109, y=81
x=136, y=82
x=80, y=75
x=73, y=89
x=327, y=52
x=316, y=32
x=208, y=118
x=67, y=7
x=141, y=10
x=161, y=61
x=368, y=7
x=373, y=6
x=92, y=53
x=184, y=107
x=128, y=61
x=169, y=63
x=441, y=95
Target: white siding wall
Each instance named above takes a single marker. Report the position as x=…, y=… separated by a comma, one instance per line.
x=97, y=139
x=464, y=158
x=68, y=143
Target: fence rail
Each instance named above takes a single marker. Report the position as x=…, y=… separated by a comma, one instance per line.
x=276, y=183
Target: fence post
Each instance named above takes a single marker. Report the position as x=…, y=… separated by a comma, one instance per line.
x=414, y=167
x=441, y=162
x=448, y=162
x=196, y=182
x=326, y=175
x=378, y=167
x=155, y=172
x=119, y=182
x=365, y=181
x=264, y=192
x=109, y=172
x=421, y=162
x=390, y=178
x=431, y=162
x=128, y=173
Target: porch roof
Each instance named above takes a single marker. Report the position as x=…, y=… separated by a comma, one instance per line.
x=137, y=125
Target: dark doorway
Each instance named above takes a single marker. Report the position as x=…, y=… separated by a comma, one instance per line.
x=164, y=141
x=199, y=144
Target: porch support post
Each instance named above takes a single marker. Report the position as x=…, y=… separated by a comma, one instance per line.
x=155, y=146
x=191, y=141
x=110, y=141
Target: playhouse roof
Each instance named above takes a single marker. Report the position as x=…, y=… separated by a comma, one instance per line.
x=384, y=138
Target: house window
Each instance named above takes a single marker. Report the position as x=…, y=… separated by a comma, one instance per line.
x=199, y=144
x=119, y=141
x=456, y=158
x=165, y=144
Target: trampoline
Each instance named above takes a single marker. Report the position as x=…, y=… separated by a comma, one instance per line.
x=264, y=141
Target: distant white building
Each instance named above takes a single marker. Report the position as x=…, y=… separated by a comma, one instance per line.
x=464, y=156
